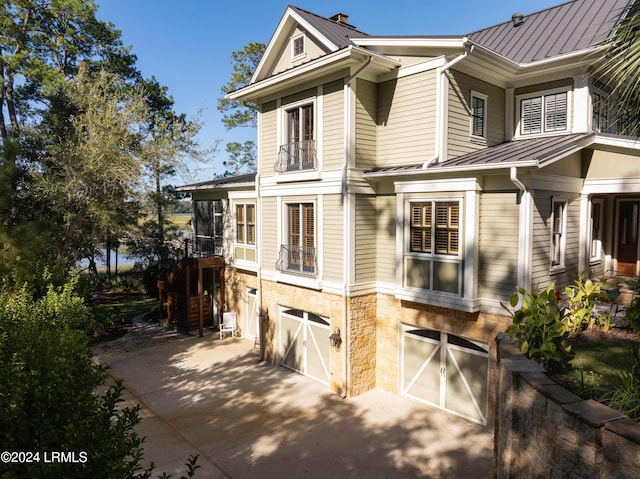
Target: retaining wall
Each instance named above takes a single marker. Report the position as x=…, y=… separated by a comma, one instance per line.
x=543, y=430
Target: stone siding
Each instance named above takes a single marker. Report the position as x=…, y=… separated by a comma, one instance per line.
x=362, y=343
x=543, y=430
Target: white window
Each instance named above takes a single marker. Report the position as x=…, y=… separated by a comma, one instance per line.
x=298, y=151
x=298, y=47
x=597, y=229
x=435, y=227
x=478, y=115
x=544, y=113
x=246, y=224
x=558, y=233
x=298, y=253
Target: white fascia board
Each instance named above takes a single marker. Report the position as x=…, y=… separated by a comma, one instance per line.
x=249, y=187
x=437, y=186
x=401, y=41
x=622, y=142
x=340, y=58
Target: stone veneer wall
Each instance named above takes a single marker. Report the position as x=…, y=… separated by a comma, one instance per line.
x=362, y=343
x=543, y=430
x=391, y=312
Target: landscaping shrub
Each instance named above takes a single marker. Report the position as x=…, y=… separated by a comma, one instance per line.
x=583, y=295
x=632, y=315
x=541, y=328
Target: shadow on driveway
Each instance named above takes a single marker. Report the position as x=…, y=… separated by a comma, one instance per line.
x=250, y=419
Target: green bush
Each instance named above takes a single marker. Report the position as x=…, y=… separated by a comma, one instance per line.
x=583, y=295
x=47, y=392
x=632, y=315
x=541, y=327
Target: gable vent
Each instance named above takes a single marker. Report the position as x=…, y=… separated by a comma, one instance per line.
x=517, y=19
x=340, y=18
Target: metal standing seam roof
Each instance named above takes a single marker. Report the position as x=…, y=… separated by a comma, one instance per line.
x=338, y=33
x=559, y=30
x=527, y=152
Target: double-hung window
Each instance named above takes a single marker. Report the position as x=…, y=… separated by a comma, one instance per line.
x=546, y=113
x=246, y=224
x=298, y=255
x=558, y=233
x=245, y=244
x=433, y=259
x=298, y=153
x=478, y=115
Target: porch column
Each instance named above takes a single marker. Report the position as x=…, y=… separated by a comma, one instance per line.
x=584, y=253
x=222, y=288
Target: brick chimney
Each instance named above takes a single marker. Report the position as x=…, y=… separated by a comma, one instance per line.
x=340, y=18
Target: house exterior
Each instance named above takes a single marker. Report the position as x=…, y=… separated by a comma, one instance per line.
x=406, y=185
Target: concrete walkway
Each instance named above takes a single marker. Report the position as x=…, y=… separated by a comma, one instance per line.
x=248, y=419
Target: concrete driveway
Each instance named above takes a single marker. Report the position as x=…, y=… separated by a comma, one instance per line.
x=248, y=419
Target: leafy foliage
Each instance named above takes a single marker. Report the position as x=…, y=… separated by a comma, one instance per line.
x=624, y=395
x=583, y=295
x=632, y=315
x=47, y=390
x=620, y=71
x=239, y=113
x=541, y=328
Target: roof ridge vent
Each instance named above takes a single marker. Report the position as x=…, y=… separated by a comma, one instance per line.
x=517, y=19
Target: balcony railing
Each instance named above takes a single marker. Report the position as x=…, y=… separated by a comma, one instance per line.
x=297, y=259
x=206, y=247
x=297, y=156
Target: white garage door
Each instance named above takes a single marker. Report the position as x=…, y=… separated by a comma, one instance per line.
x=304, y=344
x=446, y=371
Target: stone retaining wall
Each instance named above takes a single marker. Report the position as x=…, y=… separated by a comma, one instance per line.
x=543, y=430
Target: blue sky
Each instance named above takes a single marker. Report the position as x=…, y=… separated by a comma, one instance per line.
x=187, y=44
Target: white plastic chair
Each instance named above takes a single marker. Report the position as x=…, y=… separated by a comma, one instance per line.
x=228, y=325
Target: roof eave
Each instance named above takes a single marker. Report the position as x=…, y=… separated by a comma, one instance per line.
x=333, y=61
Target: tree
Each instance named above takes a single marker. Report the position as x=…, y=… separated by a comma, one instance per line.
x=620, y=70
x=242, y=158
x=238, y=113
x=90, y=177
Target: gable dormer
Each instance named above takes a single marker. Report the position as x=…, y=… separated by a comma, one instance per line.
x=301, y=37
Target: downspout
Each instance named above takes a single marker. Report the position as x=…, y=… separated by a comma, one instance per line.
x=524, y=238
x=261, y=318
x=440, y=138
x=346, y=210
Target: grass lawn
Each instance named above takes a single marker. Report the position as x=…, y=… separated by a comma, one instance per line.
x=113, y=309
x=600, y=361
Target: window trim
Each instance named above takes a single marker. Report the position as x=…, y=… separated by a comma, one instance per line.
x=472, y=116
x=284, y=140
x=297, y=56
x=244, y=241
x=285, y=238
x=557, y=248
x=433, y=256
x=543, y=95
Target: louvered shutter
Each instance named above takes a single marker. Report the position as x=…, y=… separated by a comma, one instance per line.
x=251, y=224
x=240, y=225
x=555, y=107
x=531, y=116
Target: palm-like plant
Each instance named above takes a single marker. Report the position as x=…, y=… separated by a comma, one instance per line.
x=620, y=70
